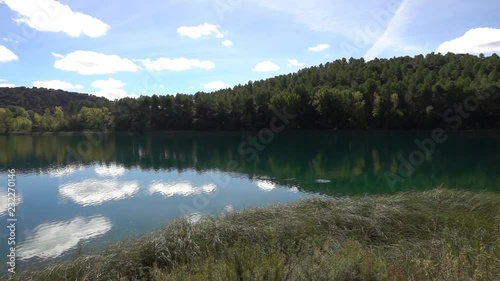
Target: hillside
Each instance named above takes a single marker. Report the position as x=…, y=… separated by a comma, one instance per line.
x=404, y=93
x=38, y=99
x=452, y=92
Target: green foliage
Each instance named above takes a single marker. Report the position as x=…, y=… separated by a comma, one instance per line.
x=14, y=119
x=18, y=111
x=52, y=122
x=328, y=103
x=37, y=121
x=286, y=101
x=6, y=120
x=343, y=109
x=93, y=119
x=22, y=124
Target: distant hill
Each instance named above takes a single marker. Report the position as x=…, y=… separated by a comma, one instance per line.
x=38, y=99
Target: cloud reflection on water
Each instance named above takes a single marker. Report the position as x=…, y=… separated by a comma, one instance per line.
x=4, y=200
x=181, y=188
x=51, y=240
x=62, y=172
x=265, y=185
x=112, y=170
x=96, y=192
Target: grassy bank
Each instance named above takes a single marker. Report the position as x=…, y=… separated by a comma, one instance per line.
x=434, y=235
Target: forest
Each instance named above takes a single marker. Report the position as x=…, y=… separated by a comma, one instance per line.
x=452, y=91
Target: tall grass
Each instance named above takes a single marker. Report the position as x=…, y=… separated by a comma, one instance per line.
x=433, y=235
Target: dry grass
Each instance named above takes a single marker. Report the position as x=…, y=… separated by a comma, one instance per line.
x=434, y=235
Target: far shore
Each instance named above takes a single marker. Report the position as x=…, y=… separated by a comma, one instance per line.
x=293, y=131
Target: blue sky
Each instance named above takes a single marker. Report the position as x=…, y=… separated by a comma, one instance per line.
x=118, y=48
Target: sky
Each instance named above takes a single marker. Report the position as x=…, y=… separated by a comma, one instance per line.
x=120, y=48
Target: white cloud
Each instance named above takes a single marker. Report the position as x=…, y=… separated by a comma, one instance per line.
x=334, y=16
x=110, y=171
x=50, y=240
x=111, y=89
x=216, y=85
x=96, y=192
x=177, y=64
x=112, y=94
x=56, y=84
x=295, y=63
x=89, y=63
x=475, y=41
x=201, y=30
x=7, y=55
x=59, y=56
x=227, y=43
x=362, y=22
x=107, y=84
x=319, y=48
x=183, y=188
x=391, y=37
x=53, y=16
x=266, y=66
x=7, y=85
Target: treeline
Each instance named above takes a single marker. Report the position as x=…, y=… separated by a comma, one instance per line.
x=17, y=119
x=39, y=99
x=422, y=92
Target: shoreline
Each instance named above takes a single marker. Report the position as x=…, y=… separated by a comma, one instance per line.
x=389, y=132
x=439, y=234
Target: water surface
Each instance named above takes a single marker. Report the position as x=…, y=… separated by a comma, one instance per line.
x=79, y=193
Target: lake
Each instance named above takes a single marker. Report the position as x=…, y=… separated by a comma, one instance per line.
x=78, y=193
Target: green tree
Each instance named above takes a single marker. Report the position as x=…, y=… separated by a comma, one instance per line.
x=328, y=102
x=95, y=119
x=287, y=101
x=37, y=121
x=48, y=122
x=18, y=111
x=22, y=124
x=6, y=120
x=60, y=121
